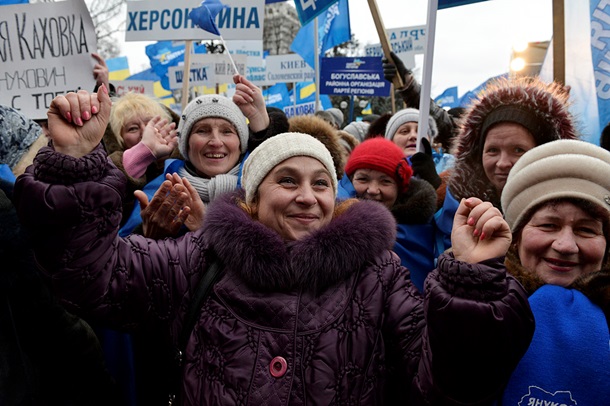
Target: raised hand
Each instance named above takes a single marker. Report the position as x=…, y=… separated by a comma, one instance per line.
x=160, y=136
x=249, y=98
x=77, y=121
x=100, y=71
x=479, y=232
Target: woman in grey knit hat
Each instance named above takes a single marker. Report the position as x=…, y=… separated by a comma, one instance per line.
x=557, y=203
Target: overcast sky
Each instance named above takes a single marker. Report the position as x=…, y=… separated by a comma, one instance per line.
x=473, y=42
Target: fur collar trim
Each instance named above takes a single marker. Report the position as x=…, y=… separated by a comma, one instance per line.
x=330, y=255
x=417, y=205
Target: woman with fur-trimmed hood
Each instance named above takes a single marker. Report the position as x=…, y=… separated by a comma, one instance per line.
x=510, y=117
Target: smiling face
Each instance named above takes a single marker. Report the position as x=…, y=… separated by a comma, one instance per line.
x=296, y=198
x=214, y=146
x=562, y=242
x=406, y=138
x=375, y=185
x=504, y=144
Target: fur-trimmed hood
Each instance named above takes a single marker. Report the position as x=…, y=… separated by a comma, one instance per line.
x=329, y=255
x=596, y=285
x=417, y=205
x=324, y=132
x=549, y=102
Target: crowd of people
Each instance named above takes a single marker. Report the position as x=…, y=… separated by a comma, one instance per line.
x=231, y=255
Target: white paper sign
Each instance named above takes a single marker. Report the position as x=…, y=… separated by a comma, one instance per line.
x=156, y=20
x=288, y=68
x=223, y=69
x=45, y=50
x=406, y=42
x=134, y=86
x=200, y=75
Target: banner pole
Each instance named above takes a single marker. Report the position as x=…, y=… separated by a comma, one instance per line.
x=185, y=77
x=424, y=100
x=316, y=62
x=383, y=39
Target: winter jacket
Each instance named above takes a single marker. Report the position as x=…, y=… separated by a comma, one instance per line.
x=568, y=361
x=47, y=355
x=415, y=233
x=329, y=319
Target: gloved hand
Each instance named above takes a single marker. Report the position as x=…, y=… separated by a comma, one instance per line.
x=423, y=165
x=391, y=67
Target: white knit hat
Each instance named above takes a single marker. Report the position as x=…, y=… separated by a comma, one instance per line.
x=211, y=106
x=408, y=115
x=278, y=149
x=555, y=170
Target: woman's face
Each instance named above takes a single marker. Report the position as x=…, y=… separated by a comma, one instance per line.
x=504, y=145
x=406, y=138
x=132, y=130
x=562, y=242
x=375, y=185
x=296, y=198
x=214, y=146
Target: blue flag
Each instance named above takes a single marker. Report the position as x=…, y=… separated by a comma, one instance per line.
x=277, y=96
x=333, y=29
x=449, y=98
x=204, y=16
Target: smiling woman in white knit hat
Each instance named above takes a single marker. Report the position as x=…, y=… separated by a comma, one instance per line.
x=557, y=202
x=213, y=137
x=310, y=306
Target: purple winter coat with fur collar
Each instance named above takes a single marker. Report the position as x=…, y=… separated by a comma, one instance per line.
x=336, y=306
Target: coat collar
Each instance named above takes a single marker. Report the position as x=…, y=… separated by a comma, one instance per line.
x=259, y=256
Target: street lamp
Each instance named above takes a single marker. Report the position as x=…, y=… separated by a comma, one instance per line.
x=527, y=58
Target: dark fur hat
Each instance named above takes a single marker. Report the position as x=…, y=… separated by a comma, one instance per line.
x=324, y=132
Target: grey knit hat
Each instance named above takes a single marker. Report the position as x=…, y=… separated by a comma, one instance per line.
x=337, y=116
x=278, y=149
x=17, y=134
x=358, y=129
x=408, y=115
x=555, y=170
x=211, y=106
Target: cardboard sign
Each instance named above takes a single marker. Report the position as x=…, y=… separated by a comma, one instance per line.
x=406, y=42
x=45, y=51
x=158, y=20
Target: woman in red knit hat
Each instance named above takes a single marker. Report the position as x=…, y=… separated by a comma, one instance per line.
x=378, y=170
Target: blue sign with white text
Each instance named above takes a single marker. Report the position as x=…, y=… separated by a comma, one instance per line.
x=310, y=9
x=361, y=76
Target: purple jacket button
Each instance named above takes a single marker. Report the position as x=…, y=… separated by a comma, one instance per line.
x=278, y=367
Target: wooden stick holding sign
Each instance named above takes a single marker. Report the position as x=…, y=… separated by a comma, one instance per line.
x=383, y=39
x=188, y=46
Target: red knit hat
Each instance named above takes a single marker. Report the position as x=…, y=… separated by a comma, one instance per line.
x=384, y=156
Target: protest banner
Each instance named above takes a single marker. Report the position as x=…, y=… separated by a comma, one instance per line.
x=163, y=20
x=402, y=40
x=223, y=68
x=200, y=75
x=361, y=76
x=45, y=50
x=134, y=86
x=288, y=69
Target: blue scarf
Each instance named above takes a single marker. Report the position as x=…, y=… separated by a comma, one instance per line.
x=568, y=361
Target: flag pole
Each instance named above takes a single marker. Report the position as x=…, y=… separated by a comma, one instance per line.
x=229, y=53
x=424, y=100
x=185, y=76
x=316, y=53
